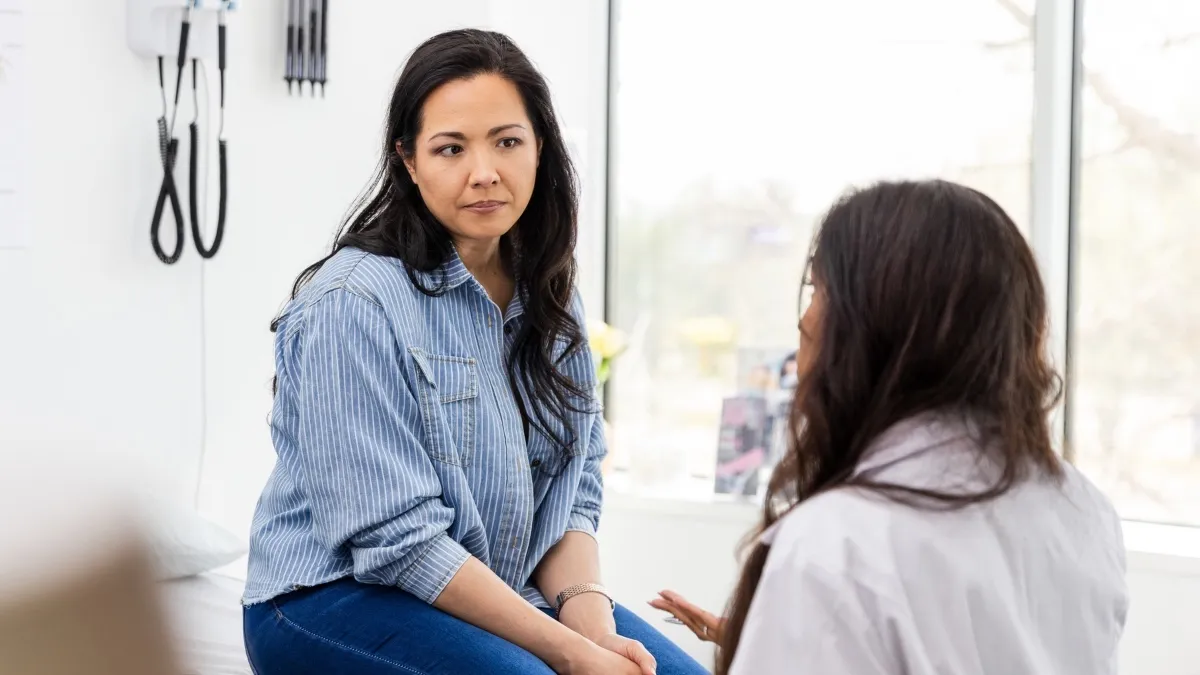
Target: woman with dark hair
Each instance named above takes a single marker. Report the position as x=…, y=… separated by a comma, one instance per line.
x=921, y=522
x=437, y=490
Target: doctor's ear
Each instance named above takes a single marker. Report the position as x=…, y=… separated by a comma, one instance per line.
x=409, y=162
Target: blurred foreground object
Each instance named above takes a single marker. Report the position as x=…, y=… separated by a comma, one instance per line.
x=77, y=595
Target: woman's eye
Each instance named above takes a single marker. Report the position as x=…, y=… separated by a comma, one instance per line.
x=510, y=142
x=450, y=150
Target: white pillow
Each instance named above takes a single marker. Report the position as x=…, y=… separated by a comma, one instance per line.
x=183, y=543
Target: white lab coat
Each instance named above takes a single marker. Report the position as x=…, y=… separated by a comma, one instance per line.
x=1032, y=583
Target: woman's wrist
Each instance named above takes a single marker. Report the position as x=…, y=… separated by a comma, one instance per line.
x=589, y=614
x=568, y=649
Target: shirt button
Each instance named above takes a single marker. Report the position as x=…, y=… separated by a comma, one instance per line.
x=535, y=463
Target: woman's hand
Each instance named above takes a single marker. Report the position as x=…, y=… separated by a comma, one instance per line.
x=707, y=626
x=596, y=659
x=630, y=649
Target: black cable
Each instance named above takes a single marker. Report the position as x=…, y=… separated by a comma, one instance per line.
x=193, y=159
x=168, y=147
x=221, y=145
x=193, y=173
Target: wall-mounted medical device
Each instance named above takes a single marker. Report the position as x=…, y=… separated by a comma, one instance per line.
x=191, y=34
x=307, y=45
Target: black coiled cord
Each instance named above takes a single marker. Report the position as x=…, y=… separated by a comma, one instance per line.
x=222, y=152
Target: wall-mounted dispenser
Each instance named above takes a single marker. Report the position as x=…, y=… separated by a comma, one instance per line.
x=152, y=26
x=183, y=31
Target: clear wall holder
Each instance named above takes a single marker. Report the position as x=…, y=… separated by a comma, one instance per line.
x=152, y=26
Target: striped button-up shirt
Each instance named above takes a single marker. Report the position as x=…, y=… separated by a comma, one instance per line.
x=401, y=447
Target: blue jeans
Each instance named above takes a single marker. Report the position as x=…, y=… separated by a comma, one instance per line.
x=362, y=629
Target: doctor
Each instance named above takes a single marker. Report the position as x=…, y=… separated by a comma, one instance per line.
x=921, y=523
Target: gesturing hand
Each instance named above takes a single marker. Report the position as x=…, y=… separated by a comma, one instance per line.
x=706, y=625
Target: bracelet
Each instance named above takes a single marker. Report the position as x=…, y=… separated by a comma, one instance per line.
x=580, y=589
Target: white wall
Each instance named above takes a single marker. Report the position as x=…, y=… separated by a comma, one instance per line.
x=1164, y=619
x=99, y=342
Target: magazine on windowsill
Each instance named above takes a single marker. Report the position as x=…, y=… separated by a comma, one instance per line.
x=752, y=432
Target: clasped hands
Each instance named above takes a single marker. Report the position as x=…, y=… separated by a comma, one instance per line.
x=605, y=652
x=617, y=655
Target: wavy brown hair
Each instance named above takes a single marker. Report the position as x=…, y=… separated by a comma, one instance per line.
x=932, y=302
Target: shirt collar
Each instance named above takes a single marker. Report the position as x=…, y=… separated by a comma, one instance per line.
x=904, y=440
x=516, y=307
x=915, y=436
x=450, y=274
x=453, y=273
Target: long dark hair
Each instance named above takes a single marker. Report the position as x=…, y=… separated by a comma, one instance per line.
x=932, y=302
x=391, y=219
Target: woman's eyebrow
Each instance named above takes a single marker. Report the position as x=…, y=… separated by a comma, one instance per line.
x=460, y=136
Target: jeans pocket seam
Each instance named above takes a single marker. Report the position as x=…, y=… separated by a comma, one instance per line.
x=342, y=646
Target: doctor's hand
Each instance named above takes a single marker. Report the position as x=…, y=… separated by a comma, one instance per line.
x=706, y=625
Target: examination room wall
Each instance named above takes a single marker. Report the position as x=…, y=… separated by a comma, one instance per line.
x=100, y=342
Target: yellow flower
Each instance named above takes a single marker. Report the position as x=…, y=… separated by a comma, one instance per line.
x=606, y=342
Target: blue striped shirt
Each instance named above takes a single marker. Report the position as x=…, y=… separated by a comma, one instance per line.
x=401, y=447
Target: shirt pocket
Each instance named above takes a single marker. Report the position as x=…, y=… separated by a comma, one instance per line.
x=448, y=394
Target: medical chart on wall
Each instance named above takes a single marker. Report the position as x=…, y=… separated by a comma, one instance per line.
x=14, y=130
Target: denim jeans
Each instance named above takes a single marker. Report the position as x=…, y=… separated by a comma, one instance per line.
x=363, y=629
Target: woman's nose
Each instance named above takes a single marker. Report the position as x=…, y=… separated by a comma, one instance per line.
x=484, y=173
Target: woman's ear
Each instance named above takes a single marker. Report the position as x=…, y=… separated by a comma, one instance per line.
x=539, y=153
x=409, y=162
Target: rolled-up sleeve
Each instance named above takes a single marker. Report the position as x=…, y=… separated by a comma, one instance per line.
x=589, y=497
x=359, y=458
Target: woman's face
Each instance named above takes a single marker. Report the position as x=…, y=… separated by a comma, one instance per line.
x=475, y=157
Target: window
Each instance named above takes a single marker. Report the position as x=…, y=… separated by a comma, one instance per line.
x=734, y=126
x=1135, y=400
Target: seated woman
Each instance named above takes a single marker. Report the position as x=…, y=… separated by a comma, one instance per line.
x=921, y=522
x=438, y=484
